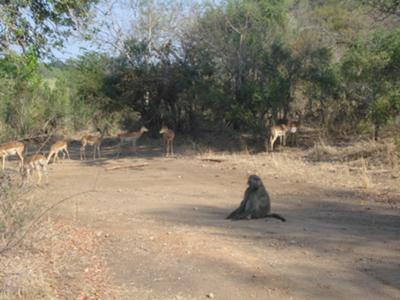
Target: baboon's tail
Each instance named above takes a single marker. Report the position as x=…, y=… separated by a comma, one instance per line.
x=276, y=216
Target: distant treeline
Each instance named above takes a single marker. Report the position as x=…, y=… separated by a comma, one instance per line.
x=240, y=64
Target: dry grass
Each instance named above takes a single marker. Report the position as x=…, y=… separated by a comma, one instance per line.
x=58, y=261
x=15, y=212
x=330, y=166
x=364, y=175
x=376, y=153
x=55, y=260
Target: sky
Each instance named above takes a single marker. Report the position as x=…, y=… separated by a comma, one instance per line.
x=73, y=47
x=119, y=18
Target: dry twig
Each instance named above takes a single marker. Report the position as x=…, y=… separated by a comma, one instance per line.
x=126, y=166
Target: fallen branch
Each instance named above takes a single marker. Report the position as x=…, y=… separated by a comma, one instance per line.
x=213, y=160
x=126, y=166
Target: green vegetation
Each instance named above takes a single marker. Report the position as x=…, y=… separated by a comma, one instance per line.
x=40, y=26
x=239, y=64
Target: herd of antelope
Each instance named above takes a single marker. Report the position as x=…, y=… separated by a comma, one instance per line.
x=38, y=162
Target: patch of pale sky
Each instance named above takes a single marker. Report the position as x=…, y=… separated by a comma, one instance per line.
x=116, y=19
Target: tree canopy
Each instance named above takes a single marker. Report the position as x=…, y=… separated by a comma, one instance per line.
x=40, y=26
x=231, y=64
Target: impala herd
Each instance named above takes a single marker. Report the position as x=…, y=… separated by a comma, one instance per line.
x=39, y=162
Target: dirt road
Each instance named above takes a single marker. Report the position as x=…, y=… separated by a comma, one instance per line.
x=166, y=236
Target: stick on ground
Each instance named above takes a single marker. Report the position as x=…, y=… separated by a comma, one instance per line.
x=213, y=160
x=126, y=166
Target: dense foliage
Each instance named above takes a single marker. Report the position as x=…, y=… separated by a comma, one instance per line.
x=40, y=26
x=238, y=64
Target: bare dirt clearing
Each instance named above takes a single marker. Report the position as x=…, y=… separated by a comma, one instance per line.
x=165, y=236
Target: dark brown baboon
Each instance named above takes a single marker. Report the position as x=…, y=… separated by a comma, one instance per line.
x=256, y=203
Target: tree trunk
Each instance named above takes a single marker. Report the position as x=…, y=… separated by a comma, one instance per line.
x=376, y=131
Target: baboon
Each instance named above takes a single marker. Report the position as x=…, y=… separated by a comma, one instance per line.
x=256, y=203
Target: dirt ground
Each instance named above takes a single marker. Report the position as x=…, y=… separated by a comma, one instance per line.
x=165, y=236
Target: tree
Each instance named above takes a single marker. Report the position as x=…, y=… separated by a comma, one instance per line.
x=372, y=74
x=37, y=25
x=385, y=8
x=237, y=36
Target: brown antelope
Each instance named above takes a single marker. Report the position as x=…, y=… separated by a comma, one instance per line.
x=36, y=162
x=91, y=140
x=131, y=137
x=60, y=146
x=12, y=148
x=293, y=127
x=168, y=136
x=278, y=131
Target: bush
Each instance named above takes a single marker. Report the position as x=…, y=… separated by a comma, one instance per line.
x=15, y=212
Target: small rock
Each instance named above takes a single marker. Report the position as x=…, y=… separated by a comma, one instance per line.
x=210, y=296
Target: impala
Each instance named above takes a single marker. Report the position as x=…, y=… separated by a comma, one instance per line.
x=293, y=129
x=131, y=137
x=12, y=148
x=60, y=146
x=36, y=162
x=168, y=136
x=278, y=131
x=91, y=140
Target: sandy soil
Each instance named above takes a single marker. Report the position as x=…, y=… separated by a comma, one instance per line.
x=165, y=236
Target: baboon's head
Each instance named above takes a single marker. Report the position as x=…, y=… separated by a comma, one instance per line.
x=143, y=129
x=254, y=182
x=164, y=129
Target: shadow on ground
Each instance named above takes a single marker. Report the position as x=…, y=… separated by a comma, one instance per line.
x=329, y=227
